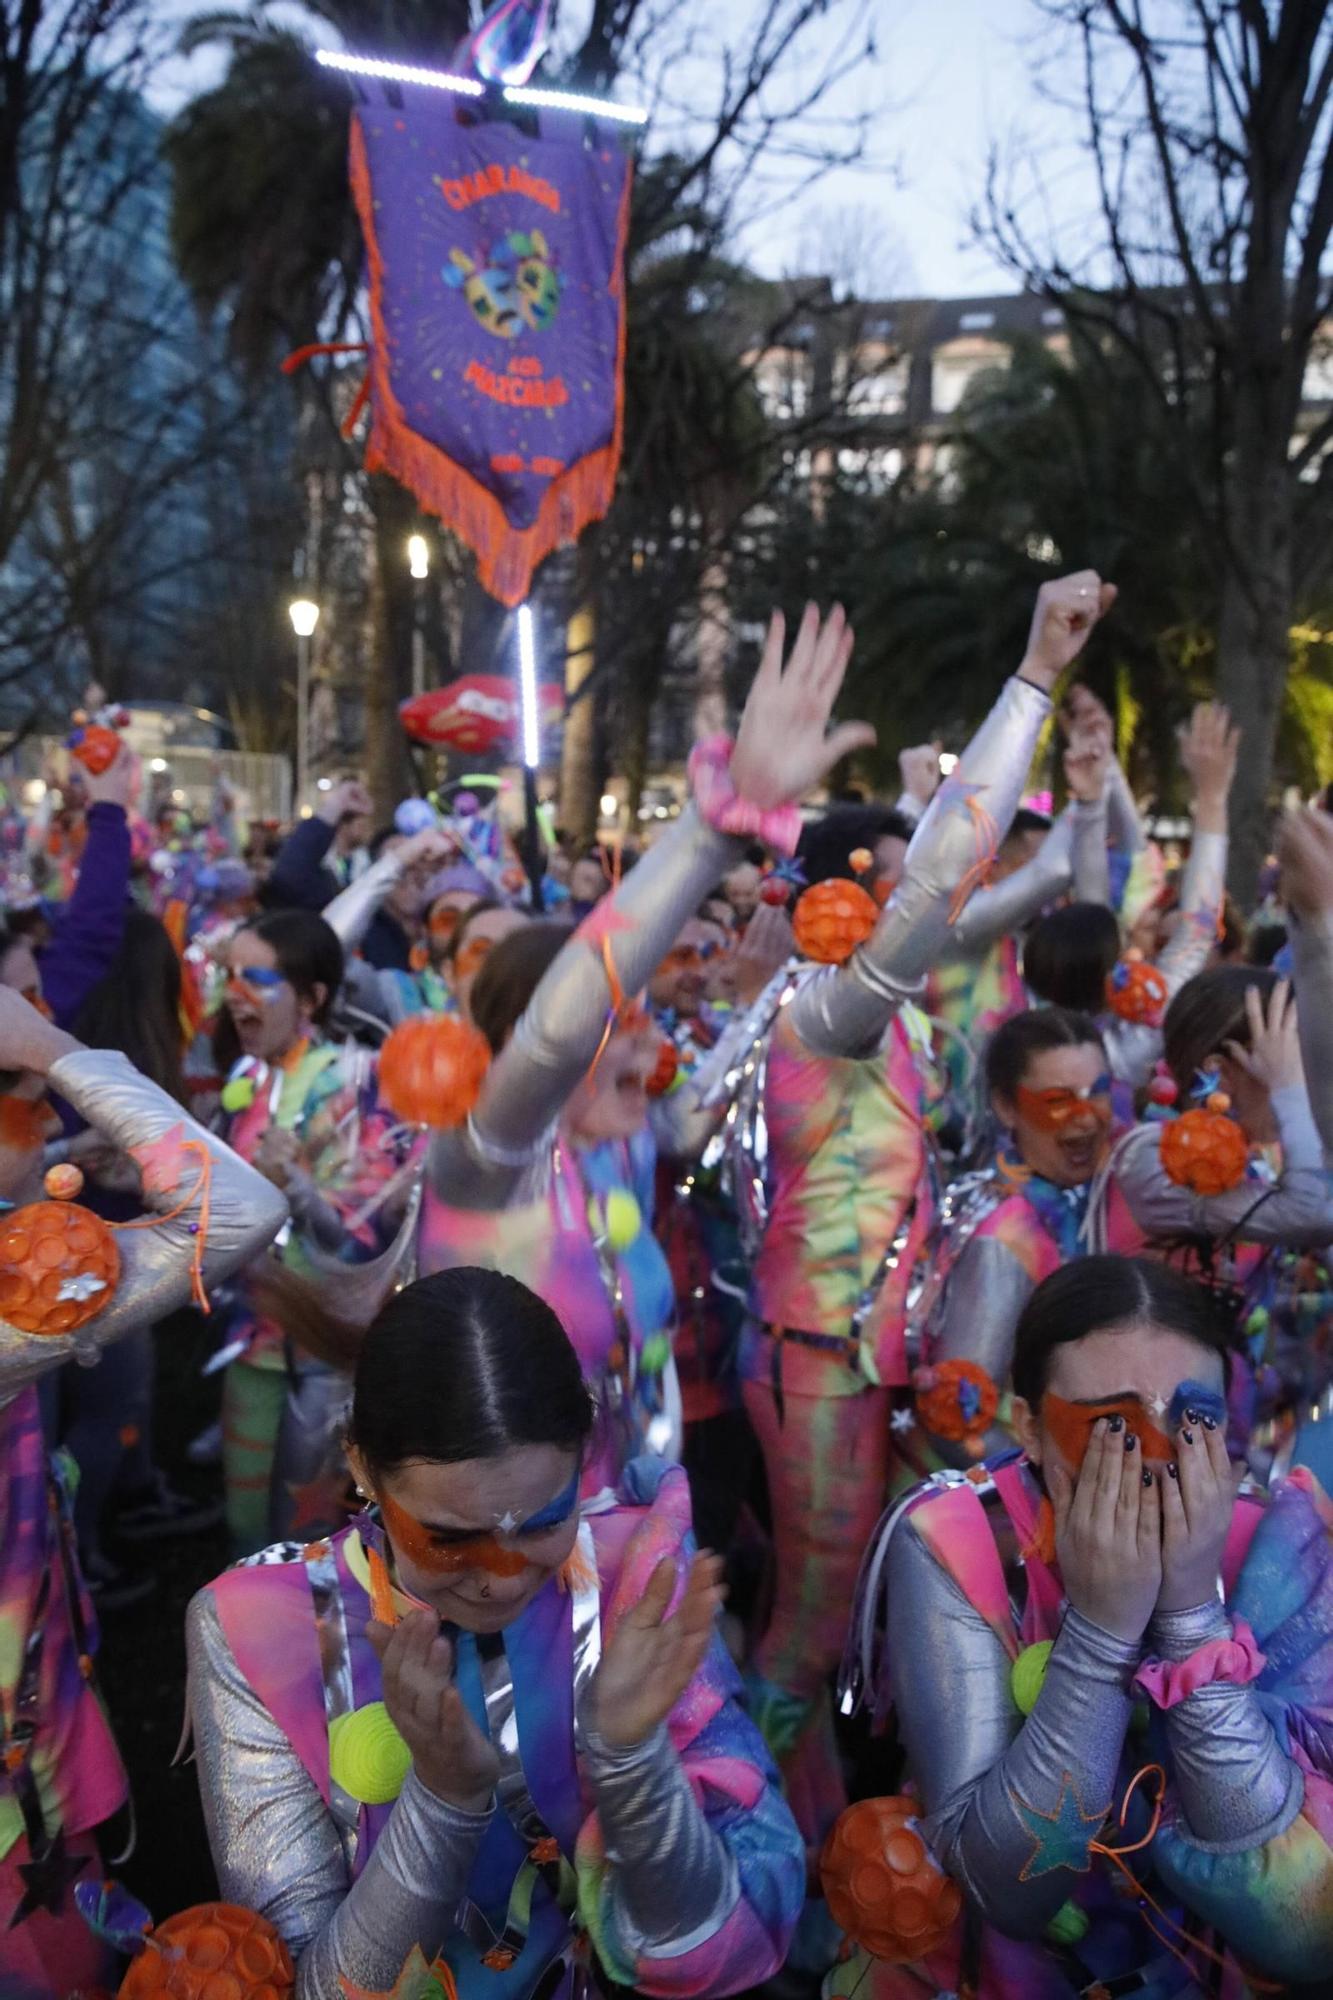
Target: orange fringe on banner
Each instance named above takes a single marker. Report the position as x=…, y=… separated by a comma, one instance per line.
x=506, y=556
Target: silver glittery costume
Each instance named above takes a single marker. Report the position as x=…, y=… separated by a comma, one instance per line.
x=844, y=1010
x=501, y=1151
x=246, y=1213
x=977, y=1760
x=1071, y=858
x=277, y=1847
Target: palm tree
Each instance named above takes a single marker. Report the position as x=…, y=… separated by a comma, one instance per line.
x=263, y=226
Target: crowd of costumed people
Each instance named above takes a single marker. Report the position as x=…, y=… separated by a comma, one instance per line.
x=774, y=1399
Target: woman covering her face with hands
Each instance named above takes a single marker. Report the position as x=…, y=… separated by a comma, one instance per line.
x=1116, y=1533
x=486, y=1723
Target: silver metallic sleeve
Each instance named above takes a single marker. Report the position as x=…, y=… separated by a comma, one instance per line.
x=979, y=1765
x=672, y=1882
x=246, y=1213
x=685, y=1120
x=844, y=1010
x=1091, y=863
x=276, y=1848
x=1005, y=907
x=987, y=1291
x=555, y=1041
x=1132, y=1047
x=1235, y=1786
x=1296, y=1209
x=1124, y=824
x=1312, y=950
x=350, y=913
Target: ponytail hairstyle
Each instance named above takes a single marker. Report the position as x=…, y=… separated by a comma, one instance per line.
x=511, y=975
x=1070, y=954
x=1206, y=1014
x=465, y=1364
x=1111, y=1295
x=1018, y=1040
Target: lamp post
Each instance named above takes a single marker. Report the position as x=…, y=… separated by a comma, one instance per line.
x=418, y=563
x=304, y=614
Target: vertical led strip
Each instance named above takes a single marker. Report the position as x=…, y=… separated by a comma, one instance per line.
x=527, y=687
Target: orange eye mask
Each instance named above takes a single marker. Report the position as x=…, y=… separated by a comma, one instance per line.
x=1070, y=1424
x=1052, y=1110
x=425, y=1548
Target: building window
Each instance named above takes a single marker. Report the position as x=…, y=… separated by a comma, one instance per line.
x=975, y=322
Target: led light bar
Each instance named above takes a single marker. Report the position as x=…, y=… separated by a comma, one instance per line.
x=527, y=682
x=468, y=86
x=396, y=72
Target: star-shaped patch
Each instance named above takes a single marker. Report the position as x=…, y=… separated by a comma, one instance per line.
x=46, y=1879
x=1062, y=1837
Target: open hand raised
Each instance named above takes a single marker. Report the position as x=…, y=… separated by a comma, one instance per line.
x=784, y=745
x=655, y=1654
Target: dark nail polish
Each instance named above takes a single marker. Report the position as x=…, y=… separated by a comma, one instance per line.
x=1129, y=1441
x=1210, y=1423
x=1116, y=1423
x=1191, y=1416
x=1171, y=1471
x=1188, y=1436
x=1147, y=1476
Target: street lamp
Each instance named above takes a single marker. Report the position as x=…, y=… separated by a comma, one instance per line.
x=304, y=615
x=418, y=563
x=530, y=734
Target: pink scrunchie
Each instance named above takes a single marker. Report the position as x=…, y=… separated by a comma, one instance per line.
x=724, y=809
x=1237, y=1660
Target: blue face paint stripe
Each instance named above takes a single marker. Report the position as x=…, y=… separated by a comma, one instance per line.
x=1194, y=1396
x=557, y=1510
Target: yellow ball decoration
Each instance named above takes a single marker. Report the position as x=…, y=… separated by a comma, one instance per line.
x=1027, y=1675
x=367, y=1756
x=624, y=1219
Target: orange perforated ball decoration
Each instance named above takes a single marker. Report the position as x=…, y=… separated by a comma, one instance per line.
x=1136, y=991
x=97, y=748
x=216, y=1951
x=956, y=1400
x=1205, y=1152
x=431, y=1069
x=832, y=919
x=883, y=1887
x=59, y=1266
x=664, y=1069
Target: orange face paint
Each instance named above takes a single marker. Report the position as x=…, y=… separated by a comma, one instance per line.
x=442, y=923
x=425, y=1551
x=472, y=955
x=1052, y=1110
x=1070, y=1426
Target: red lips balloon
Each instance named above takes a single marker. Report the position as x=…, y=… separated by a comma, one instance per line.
x=479, y=713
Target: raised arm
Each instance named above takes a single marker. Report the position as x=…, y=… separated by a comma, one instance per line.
x=984, y=1299
x=1297, y=1208
x=351, y=911
x=90, y=928
x=1006, y=906
x=844, y=1010
x=1305, y=848
x=244, y=1212
x=782, y=749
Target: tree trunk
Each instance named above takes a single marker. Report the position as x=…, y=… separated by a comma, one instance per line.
x=579, y=777
x=389, y=673
x=1253, y=638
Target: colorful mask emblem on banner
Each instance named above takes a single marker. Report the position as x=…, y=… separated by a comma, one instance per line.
x=497, y=297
